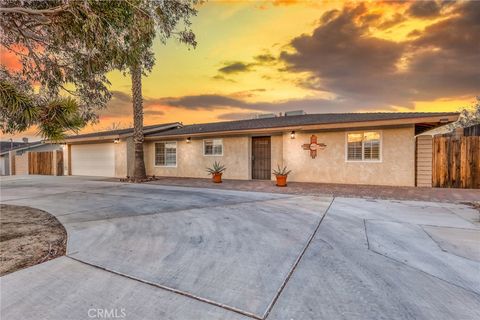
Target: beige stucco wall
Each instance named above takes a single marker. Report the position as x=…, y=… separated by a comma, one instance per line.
x=66, y=161
x=121, y=159
x=397, y=166
x=276, y=152
x=192, y=163
x=21, y=163
x=130, y=156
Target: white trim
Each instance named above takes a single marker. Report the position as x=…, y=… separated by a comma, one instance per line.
x=212, y=155
x=176, y=155
x=364, y=161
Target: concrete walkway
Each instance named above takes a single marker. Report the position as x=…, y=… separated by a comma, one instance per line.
x=143, y=251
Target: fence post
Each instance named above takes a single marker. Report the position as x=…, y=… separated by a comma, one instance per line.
x=54, y=163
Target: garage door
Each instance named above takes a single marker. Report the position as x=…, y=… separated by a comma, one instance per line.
x=93, y=160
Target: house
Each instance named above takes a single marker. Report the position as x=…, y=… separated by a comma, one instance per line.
x=106, y=153
x=14, y=155
x=6, y=146
x=350, y=148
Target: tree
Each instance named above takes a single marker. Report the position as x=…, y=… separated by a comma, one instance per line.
x=68, y=42
x=22, y=108
x=469, y=116
x=153, y=18
x=61, y=50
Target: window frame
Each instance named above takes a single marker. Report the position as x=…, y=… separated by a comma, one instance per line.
x=212, y=155
x=155, y=155
x=380, y=152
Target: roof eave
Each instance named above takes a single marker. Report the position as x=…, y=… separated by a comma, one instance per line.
x=440, y=120
x=154, y=130
x=117, y=136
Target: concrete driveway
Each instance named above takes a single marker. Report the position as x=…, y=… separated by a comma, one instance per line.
x=139, y=251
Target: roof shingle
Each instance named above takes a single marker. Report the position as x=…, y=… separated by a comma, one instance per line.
x=126, y=131
x=291, y=121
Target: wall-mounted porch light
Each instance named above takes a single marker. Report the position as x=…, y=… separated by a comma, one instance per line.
x=292, y=135
x=116, y=140
x=189, y=139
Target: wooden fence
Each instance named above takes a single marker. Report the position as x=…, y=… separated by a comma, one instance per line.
x=472, y=130
x=456, y=162
x=40, y=163
x=59, y=163
x=45, y=163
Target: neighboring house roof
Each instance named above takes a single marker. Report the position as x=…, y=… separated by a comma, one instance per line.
x=24, y=146
x=121, y=133
x=438, y=130
x=8, y=145
x=307, y=121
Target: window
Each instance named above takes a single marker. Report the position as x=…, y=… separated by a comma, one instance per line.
x=363, y=146
x=213, y=147
x=166, y=154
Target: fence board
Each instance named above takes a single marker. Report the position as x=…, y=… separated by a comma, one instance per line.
x=59, y=163
x=40, y=163
x=456, y=162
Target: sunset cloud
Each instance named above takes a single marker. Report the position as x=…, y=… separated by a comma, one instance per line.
x=349, y=61
x=235, y=67
x=425, y=9
x=328, y=57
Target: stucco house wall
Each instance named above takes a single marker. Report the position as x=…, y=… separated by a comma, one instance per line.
x=192, y=163
x=121, y=163
x=277, y=152
x=5, y=164
x=397, y=165
x=21, y=163
x=130, y=156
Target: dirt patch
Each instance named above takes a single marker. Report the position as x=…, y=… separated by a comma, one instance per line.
x=28, y=236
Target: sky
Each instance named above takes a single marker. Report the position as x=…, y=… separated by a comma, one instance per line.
x=275, y=56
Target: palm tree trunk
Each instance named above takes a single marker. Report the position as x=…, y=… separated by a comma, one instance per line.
x=139, y=165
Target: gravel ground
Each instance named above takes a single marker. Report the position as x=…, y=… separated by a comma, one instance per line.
x=27, y=237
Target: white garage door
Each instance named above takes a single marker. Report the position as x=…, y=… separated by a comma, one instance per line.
x=93, y=160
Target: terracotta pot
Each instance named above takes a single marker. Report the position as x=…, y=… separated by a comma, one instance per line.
x=217, y=177
x=281, y=181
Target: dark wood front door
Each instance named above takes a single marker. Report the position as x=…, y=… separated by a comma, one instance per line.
x=261, y=158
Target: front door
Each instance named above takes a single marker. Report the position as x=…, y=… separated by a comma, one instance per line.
x=261, y=158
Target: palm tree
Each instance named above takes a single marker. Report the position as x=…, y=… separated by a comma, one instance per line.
x=139, y=166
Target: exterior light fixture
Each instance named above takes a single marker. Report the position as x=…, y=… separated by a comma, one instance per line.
x=292, y=135
x=116, y=140
x=189, y=139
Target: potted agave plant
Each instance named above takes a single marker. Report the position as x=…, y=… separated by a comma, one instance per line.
x=281, y=175
x=216, y=170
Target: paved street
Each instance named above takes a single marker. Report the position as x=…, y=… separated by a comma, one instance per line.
x=148, y=251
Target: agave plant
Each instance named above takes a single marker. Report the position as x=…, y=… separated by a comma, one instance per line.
x=281, y=171
x=216, y=168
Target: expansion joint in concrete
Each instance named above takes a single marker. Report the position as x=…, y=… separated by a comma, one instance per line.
x=176, y=291
x=295, y=264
